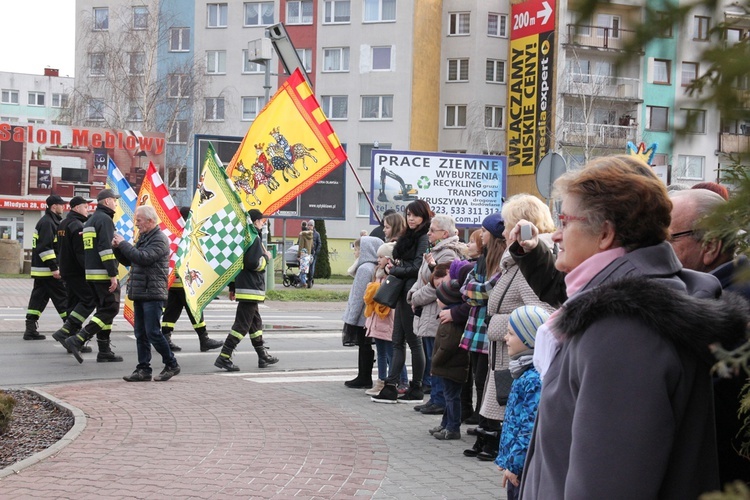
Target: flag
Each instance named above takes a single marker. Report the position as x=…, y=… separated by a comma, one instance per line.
x=288, y=148
x=215, y=237
x=125, y=211
x=154, y=193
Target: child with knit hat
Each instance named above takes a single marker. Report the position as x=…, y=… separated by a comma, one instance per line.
x=523, y=400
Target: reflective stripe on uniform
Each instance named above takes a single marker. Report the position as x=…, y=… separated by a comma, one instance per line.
x=33, y=312
x=249, y=294
x=236, y=334
x=41, y=272
x=255, y=335
x=47, y=255
x=97, y=275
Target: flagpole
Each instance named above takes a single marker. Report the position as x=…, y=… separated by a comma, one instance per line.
x=363, y=190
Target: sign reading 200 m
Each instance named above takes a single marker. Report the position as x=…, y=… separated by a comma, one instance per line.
x=466, y=187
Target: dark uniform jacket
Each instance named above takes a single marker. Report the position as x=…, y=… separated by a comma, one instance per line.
x=250, y=283
x=44, y=246
x=149, y=265
x=99, y=258
x=72, y=262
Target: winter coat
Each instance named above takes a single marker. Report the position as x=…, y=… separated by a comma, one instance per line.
x=149, y=265
x=523, y=402
x=72, y=262
x=538, y=267
x=45, y=246
x=354, y=314
x=378, y=327
x=305, y=240
x=448, y=359
x=250, y=283
x=317, y=243
x=518, y=294
x=98, y=231
x=422, y=293
x=408, y=252
x=626, y=409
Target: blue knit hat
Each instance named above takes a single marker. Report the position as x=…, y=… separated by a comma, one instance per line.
x=525, y=320
x=495, y=224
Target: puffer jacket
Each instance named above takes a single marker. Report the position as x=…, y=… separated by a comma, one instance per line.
x=422, y=293
x=354, y=314
x=45, y=246
x=149, y=265
x=72, y=261
x=98, y=231
x=523, y=402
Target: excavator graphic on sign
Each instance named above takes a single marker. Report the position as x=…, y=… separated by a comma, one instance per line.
x=407, y=192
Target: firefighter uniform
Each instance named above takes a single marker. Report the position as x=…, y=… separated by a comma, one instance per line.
x=175, y=304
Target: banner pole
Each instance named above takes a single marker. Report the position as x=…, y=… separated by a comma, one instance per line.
x=364, y=191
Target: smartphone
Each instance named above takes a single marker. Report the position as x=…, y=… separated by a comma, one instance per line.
x=525, y=232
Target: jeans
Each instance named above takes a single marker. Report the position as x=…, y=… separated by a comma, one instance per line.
x=148, y=333
x=385, y=358
x=303, y=279
x=452, y=414
x=436, y=383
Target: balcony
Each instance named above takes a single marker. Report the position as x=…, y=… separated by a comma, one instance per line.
x=606, y=87
x=598, y=135
x=734, y=143
x=599, y=37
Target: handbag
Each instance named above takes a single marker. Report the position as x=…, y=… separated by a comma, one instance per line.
x=349, y=335
x=389, y=291
x=503, y=381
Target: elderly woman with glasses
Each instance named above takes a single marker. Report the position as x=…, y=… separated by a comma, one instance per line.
x=626, y=407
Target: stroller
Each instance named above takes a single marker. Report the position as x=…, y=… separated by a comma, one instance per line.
x=291, y=274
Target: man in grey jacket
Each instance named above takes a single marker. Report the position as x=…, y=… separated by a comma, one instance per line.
x=147, y=288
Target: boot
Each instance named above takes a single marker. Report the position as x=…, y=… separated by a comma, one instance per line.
x=477, y=448
x=364, y=365
x=208, y=344
x=265, y=359
x=491, y=445
x=168, y=336
x=62, y=335
x=225, y=363
x=105, y=353
x=376, y=388
x=31, y=333
x=413, y=395
x=74, y=343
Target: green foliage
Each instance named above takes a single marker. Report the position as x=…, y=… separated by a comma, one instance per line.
x=307, y=295
x=323, y=265
x=7, y=403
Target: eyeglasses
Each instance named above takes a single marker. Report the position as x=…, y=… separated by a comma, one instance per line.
x=674, y=236
x=564, y=219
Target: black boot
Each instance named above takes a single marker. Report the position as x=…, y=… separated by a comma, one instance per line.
x=105, y=353
x=208, y=344
x=62, y=335
x=477, y=448
x=491, y=445
x=265, y=359
x=225, y=363
x=74, y=343
x=31, y=332
x=364, y=367
x=168, y=336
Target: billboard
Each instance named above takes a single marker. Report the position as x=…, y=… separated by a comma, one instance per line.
x=530, y=80
x=466, y=187
x=72, y=161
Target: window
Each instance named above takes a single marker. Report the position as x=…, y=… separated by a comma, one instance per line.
x=458, y=70
x=661, y=71
x=377, y=107
x=101, y=18
x=689, y=73
x=381, y=58
x=299, y=12
x=365, y=153
x=495, y=71
x=10, y=119
x=690, y=167
x=695, y=121
x=178, y=85
x=96, y=110
x=251, y=106
x=177, y=176
x=459, y=23
x=379, y=10
x=137, y=63
x=701, y=25
x=179, y=39
x=214, y=109
x=455, y=116
x=216, y=62
x=96, y=64
x=251, y=67
x=493, y=116
x=59, y=100
x=135, y=112
x=9, y=97
x=608, y=26
x=657, y=118
x=497, y=25
x=336, y=59
x=140, y=18
x=335, y=107
x=663, y=20
x=178, y=132
x=363, y=207
x=258, y=13
x=217, y=15
x=305, y=55
x=336, y=11
x=732, y=35
x=36, y=98
x=35, y=121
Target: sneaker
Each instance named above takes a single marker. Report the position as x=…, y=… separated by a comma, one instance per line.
x=446, y=435
x=167, y=373
x=376, y=388
x=388, y=395
x=433, y=409
x=419, y=407
x=226, y=364
x=138, y=376
x=435, y=430
x=359, y=383
x=413, y=395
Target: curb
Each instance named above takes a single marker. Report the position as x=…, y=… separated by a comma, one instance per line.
x=78, y=427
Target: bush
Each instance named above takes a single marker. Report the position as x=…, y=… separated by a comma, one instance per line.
x=7, y=403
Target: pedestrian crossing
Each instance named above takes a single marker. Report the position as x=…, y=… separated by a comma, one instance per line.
x=287, y=377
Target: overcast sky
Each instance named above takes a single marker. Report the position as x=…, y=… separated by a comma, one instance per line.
x=35, y=34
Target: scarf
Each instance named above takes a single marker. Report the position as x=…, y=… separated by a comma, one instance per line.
x=520, y=363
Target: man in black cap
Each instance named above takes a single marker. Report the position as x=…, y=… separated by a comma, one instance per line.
x=249, y=289
x=101, y=275
x=81, y=301
x=44, y=270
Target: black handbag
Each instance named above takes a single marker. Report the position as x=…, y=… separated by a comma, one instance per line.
x=349, y=335
x=389, y=291
x=503, y=381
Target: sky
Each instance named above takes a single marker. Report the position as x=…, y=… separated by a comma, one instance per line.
x=38, y=34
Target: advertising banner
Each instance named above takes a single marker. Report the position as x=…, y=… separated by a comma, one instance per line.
x=466, y=187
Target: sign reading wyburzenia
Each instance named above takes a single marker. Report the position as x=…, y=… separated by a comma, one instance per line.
x=466, y=187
